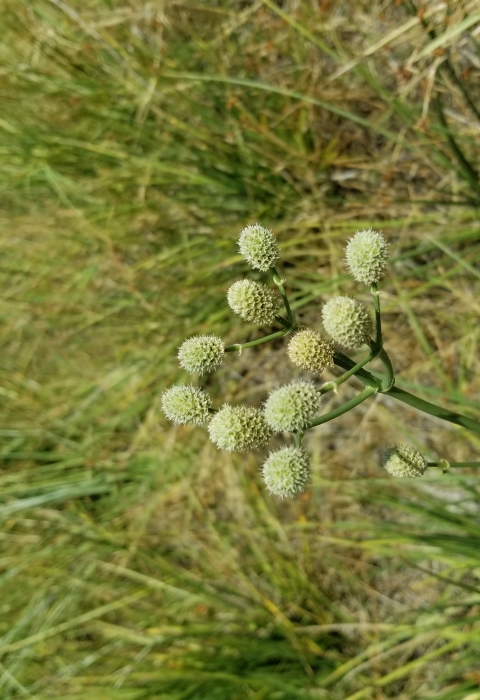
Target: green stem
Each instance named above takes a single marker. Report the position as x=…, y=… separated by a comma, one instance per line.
x=377, y=345
x=378, y=317
x=434, y=410
x=367, y=378
x=331, y=415
x=445, y=463
x=298, y=438
x=259, y=341
x=328, y=386
x=283, y=321
x=278, y=281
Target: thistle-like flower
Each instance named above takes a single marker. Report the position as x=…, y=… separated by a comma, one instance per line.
x=186, y=405
x=258, y=246
x=253, y=301
x=310, y=350
x=286, y=471
x=403, y=461
x=201, y=353
x=347, y=321
x=238, y=428
x=291, y=407
x=367, y=256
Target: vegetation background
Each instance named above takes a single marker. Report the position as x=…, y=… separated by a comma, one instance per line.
x=137, y=137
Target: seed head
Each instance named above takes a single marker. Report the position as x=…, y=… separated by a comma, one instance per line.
x=253, y=301
x=201, y=353
x=186, y=404
x=310, y=350
x=286, y=471
x=238, y=428
x=292, y=406
x=403, y=461
x=367, y=256
x=258, y=246
x=347, y=321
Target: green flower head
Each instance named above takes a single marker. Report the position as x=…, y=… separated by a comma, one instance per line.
x=311, y=350
x=201, y=353
x=258, y=247
x=292, y=406
x=286, y=471
x=186, y=405
x=347, y=321
x=239, y=428
x=253, y=301
x=367, y=256
x=403, y=461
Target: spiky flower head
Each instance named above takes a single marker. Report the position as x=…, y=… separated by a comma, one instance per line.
x=258, y=246
x=238, y=428
x=347, y=321
x=253, y=301
x=310, y=350
x=291, y=407
x=286, y=471
x=186, y=404
x=403, y=461
x=201, y=353
x=367, y=256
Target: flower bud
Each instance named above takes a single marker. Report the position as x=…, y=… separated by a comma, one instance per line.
x=403, y=461
x=286, y=471
x=292, y=406
x=201, y=353
x=367, y=256
x=253, y=301
x=258, y=247
x=186, y=404
x=347, y=321
x=310, y=350
x=238, y=428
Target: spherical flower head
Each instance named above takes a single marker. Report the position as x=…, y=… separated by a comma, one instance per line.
x=292, y=406
x=367, y=256
x=286, y=471
x=238, y=428
x=347, y=321
x=258, y=246
x=403, y=461
x=201, y=353
x=253, y=301
x=186, y=405
x=310, y=350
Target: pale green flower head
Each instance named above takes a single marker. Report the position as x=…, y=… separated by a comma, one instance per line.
x=258, y=247
x=310, y=350
x=347, y=321
x=239, y=428
x=286, y=471
x=292, y=407
x=367, y=256
x=403, y=461
x=253, y=301
x=201, y=353
x=186, y=405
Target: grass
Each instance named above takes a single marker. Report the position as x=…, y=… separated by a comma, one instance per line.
x=136, y=140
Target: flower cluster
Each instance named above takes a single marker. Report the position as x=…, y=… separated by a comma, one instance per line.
x=253, y=301
x=239, y=428
x=367, y=256
x=310, y=350
x=286, y=471
x=258, y=246
x=292, y=407
x=202, y=353
x=403, y=461
x=186, y=405
x=347, y=321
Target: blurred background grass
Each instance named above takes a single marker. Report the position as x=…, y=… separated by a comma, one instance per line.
x=137, y=137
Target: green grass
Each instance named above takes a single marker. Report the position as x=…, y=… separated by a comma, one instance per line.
x=136, y=139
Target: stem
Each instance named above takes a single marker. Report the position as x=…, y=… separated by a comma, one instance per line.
x=444, y=463
x=367, y=378
x=283, y=321
x=434, y=410
x=377, y=346
x=279, y=282
x=378, y=318
x=298, y=438
x=362, y=396
x=328, y=386
x=259, y=341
